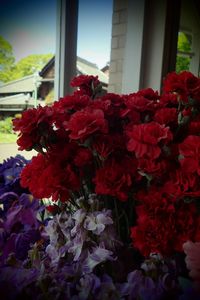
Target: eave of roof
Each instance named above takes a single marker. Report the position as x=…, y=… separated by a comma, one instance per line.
x=22, y=85
x=18, y=101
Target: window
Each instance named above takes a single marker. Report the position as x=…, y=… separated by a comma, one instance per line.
x=184, y=53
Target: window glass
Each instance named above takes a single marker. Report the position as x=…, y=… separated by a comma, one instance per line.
x=184, y=54
x=27, y=48
x=28, y=37
x=94, y=38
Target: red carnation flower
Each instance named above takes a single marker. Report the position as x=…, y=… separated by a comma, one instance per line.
x=152, y=167
x=149, y=94
x=164, y=227
x=145, y=139
x=194, y=121
x=104, y=145
x=34, y=128
x=194, y=127
x=185, y=84
x=139, y=103
x=169, y=99
x=83, y=157
x=166, y=116
x=112, y=105
x=180, y=185
x=115, y=179
x=46, y=177
x=86, y=83
x=190, y=150
x=72, y=102
x=86, y=122
x=53, y=209
x=192, y=84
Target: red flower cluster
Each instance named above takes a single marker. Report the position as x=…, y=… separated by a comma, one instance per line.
x=51, y=176
x=87, y=84
x=164, y=223
x=184, y=84
x=142, y=149
x=145, y=139
x=86, y=122
x=115, y=178
x=35, y=128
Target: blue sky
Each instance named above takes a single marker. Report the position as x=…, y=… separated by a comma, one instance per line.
x=30, y=27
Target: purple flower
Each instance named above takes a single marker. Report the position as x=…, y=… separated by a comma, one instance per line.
x=79, y=217
x=77, y=245
x=19, y=244
x=27, y=200
x=19, y=230
x=108, y=290
x=97, y=221
x=10, y=188
x=2, y=234
x=24, y=241
x=11, y=168
x=97, y=256
x=87, y=286
x=140, y=286
x=13, y=280
x=6, y=200
x=19, y=215
x=10, y=171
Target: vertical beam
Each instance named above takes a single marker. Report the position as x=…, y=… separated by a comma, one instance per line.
x=153, y=44
x=171, y=36
x=66, y=46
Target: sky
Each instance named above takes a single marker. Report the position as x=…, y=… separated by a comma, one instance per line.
x=30, y=27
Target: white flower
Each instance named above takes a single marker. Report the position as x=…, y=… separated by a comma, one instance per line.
x=97, y=221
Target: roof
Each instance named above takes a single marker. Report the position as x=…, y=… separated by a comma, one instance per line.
x=87, y=68
x=105, y=68
x=22, y=85
x=17, y=102
x=84, y=67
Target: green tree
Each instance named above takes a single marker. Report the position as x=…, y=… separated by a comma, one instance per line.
x=30, y=64
x=7, y=59
x=184, y=45
x=9, y=70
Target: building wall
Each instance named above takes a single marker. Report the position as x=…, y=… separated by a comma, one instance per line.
x=50, y=73
x=119, y=31
x=44, y=89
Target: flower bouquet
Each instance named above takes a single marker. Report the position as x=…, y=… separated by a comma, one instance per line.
x=122, y=173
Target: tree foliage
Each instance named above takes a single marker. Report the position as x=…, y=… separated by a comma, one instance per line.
x=184, y=44
x=7, y=59
x=6, y=54
x=6, y=125
x=9, y=70
x=31, y=64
